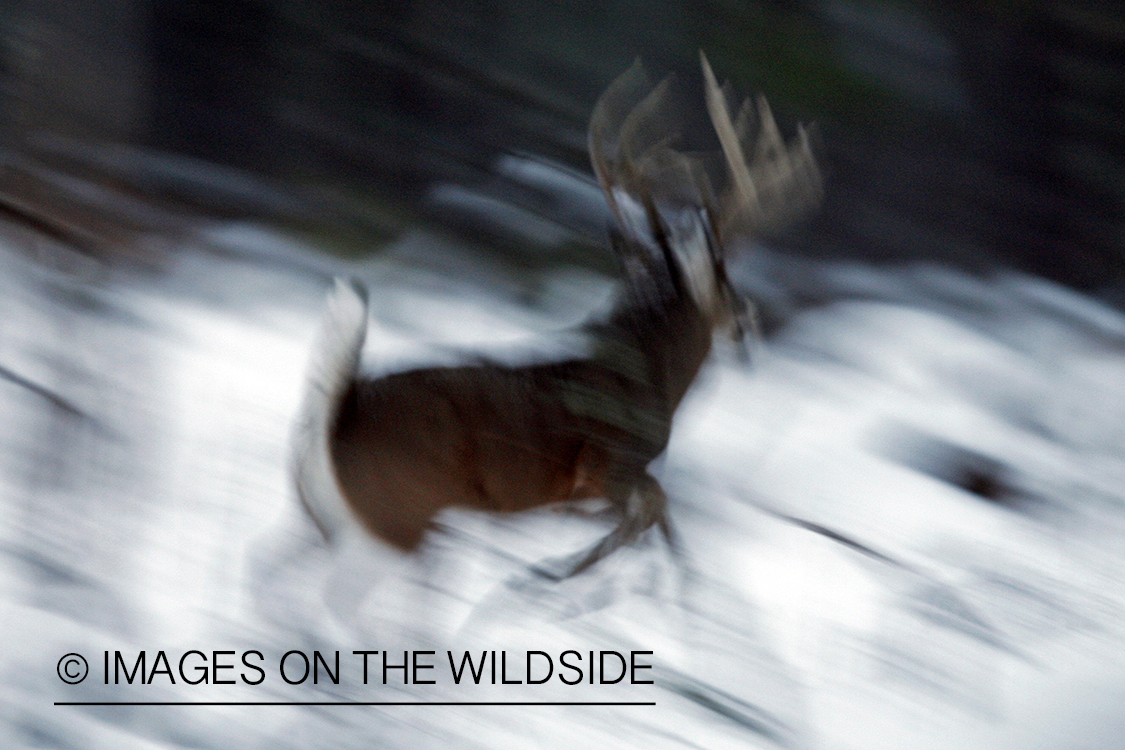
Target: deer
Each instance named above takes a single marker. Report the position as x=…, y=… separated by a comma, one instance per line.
x=386, y=454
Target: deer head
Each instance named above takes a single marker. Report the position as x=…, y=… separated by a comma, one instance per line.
x=664, y=201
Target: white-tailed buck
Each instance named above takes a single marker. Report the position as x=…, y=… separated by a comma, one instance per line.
x=388, y=453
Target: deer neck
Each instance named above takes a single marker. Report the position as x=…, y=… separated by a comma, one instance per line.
x=660, y=346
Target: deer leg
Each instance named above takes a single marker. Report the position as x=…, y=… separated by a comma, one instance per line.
x=643, y=505
x=746, y=325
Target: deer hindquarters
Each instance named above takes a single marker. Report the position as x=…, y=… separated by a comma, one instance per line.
x=400, y=455
x=483, y=437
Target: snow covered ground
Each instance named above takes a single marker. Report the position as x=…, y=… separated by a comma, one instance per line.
x=903, y=525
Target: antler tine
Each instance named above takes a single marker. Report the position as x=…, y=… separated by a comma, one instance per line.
x=728, y=136
x=779, y=181
x=742, y=120
x=606, y=122
x=642, y=175
x=770, y=143
x=644, y=132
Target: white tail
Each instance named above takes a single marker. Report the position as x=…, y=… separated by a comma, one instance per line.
x=331, y=371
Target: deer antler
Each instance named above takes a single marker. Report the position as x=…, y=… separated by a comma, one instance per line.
x=606, y=121
x=779, y=181
x=631, y=136
x=630, y=140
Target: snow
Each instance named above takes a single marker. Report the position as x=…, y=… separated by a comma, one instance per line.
x=847, y=580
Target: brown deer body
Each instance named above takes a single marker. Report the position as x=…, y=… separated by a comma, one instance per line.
x=391, y=452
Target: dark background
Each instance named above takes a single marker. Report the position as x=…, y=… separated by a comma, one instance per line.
x=971, y=133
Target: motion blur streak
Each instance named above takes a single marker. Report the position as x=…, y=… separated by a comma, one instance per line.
x=903, y=525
